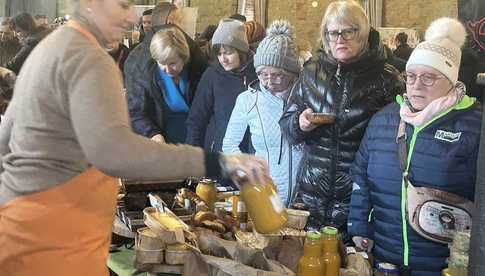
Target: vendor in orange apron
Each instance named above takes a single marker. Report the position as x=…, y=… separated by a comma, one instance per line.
x=65, y=230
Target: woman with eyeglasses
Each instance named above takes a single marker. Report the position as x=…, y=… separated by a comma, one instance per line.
x=228, y=76
x=348, y=82
x=66, y=139
x=261, y=106
x=442, y=132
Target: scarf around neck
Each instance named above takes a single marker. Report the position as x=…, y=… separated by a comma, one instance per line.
x=434, y=108
x=174, y=94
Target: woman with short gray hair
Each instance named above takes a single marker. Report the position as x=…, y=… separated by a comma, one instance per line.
x=344, y=85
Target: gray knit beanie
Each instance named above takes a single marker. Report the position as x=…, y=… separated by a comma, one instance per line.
x=231, y=32
x=277, y=49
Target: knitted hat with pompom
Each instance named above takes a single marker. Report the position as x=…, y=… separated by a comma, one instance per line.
x=441, y=49
x=278, y=49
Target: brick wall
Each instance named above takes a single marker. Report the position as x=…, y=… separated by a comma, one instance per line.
x=306, y=18
x=417, y=14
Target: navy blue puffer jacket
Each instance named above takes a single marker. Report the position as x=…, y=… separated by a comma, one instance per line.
x=443, y=164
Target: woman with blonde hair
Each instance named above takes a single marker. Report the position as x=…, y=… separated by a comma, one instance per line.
x=349, y=80
x=63, y=142
x=162, y=111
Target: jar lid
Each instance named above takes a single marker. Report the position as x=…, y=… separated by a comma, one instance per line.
x=329, y=230
x=313, y=235
x=387, y=267
x=206, y=181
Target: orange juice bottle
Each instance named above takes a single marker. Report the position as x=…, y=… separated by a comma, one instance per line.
x=310, y=264
x=264, y=206
x=330, y=256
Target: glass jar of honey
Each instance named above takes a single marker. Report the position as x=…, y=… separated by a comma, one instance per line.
x=264, y=206
x=330, y=255
x=206, y=190
x=310, y=263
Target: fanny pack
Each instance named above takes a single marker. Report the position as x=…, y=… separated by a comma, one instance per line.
x=434, y=214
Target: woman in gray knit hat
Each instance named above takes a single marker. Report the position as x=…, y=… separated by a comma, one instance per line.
x=227, y=76
x=261, y=107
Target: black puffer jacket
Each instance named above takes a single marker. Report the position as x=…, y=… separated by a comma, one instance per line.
x=366, y=85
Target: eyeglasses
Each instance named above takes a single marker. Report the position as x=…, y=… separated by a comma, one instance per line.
x=347, y=34
x=276, y=78
x=426, y=79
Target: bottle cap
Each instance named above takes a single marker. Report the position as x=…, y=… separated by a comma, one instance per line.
x=329, y=230
x=313, y=235
x=387, y=268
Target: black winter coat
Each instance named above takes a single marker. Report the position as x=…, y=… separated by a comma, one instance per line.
x=143, y=92
x=366, y=85
x=212, y=107
x=27, y=45
x=403, y=52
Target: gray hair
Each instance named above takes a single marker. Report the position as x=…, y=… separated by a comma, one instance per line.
x=168, y=43
x=345, y=12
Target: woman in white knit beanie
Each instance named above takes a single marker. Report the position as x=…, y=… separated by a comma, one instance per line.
x=442, y=133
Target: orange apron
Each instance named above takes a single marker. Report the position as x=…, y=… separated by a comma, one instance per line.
x=65, y=230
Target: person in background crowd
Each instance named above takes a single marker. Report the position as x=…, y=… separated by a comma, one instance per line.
x=58, y=21
x=255, y=33
x=238, y=17
x=119, y=52
x=434, y=102
x=351, y=80
x=261, y=107
x=145, y=23
x=227, y=77
x=403, y=50
x=398, y=63
x=139, y=65
x=41, y=20
x=469, y=68
x=65, y=140
x=204, y=40
x=162, y=111
x=7, y=83
x=30, y=35
x=9, y=44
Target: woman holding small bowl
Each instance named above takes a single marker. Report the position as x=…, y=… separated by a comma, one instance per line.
x=330, y=106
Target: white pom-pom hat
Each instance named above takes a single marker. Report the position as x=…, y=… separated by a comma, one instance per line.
x=441, y=49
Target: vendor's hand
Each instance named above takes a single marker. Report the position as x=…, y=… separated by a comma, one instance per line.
x=362, y=243
x=158, y=138
x=244, y=166
x=304, y=120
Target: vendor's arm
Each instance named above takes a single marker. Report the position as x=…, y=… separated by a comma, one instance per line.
x=5, y=131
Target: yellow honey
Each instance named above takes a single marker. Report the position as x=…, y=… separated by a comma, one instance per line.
x=168, y=221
